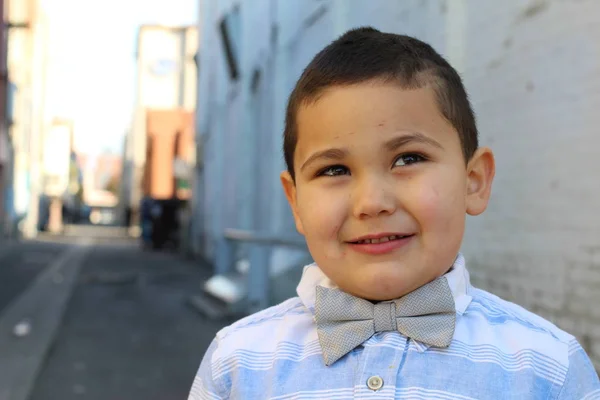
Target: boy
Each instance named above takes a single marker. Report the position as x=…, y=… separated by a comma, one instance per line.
x=383, y=164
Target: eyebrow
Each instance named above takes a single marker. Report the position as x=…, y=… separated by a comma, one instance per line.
x=337, y=154
x=417, y=137
x=329, y=154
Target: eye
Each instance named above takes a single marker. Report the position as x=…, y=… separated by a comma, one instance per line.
x=334, y=170
x=407, y=159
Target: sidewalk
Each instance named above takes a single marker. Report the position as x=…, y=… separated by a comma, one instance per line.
x=20, y=263
x=127, y=332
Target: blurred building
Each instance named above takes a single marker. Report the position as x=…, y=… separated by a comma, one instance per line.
x=27, y=60
x=5, y=149
x=61, y=178
x=101, y=178
x=169, y=145
x=166, y=81
x=532, y=69
x=58, y=145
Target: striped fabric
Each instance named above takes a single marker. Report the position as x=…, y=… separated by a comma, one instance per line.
x=499, y=351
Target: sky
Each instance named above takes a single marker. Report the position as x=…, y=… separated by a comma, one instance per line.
x=91, y=62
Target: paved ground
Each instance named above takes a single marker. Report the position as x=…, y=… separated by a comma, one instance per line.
x=125, y=331
x=20, y=263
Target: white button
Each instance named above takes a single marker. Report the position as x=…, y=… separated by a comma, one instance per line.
x=375, y=382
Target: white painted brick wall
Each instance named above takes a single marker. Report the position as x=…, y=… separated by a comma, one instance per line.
x=533, y=72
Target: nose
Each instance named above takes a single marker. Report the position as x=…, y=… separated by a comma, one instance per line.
x=373, y=196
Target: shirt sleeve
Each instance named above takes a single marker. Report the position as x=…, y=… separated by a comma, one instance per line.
x=204, y=386
x=582, y=380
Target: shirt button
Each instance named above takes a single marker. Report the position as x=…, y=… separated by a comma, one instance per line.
x=375, y=383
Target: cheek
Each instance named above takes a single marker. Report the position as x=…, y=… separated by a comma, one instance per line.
x=321, y=215
x=438, y=204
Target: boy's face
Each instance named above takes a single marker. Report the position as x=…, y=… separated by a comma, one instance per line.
x=377, y=161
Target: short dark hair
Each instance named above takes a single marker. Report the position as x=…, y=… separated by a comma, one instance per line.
x=365, y=54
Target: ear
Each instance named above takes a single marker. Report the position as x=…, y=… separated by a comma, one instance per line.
x=480, y=174
x=289, y=187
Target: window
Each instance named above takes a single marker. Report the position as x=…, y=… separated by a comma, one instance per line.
x=231, y=35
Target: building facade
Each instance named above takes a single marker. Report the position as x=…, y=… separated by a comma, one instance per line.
x=5, y=147
x=27, y=60
x=166, y=80
x=532, y=69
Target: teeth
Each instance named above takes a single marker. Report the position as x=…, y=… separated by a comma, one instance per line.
x=380, y=240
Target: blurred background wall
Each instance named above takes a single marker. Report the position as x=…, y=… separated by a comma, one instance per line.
x=26, y=30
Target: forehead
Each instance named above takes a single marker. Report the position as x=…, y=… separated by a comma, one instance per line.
x=371, y=111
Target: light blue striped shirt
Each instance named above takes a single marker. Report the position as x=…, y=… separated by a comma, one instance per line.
x=499, y=351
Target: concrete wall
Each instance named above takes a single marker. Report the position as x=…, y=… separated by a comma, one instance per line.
x=532, y=68
x=239, y=126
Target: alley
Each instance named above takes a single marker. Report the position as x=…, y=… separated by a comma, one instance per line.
x=125, y=330
x=20, y=263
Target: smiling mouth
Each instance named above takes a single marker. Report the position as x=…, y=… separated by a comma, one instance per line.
x=383, y=239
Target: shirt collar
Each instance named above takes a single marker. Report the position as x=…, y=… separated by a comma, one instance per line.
x=457, y=276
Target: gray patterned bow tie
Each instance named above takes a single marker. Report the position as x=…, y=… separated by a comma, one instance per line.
x=343, y=321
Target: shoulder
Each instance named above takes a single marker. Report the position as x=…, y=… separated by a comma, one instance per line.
x=516, y=336
x=248, y=346
x=499, y=311
x=288, y=321
x=279, y=312
x=537, y=345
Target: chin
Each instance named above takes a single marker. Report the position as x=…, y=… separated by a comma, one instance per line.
x=383, y=296
x=384, y=288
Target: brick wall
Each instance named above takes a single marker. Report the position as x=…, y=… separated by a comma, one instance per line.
x=533, y=71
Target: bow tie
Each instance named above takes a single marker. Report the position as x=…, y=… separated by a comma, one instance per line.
x=426, y=314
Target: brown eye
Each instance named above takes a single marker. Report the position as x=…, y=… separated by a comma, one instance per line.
x=407, y=159
x=334, y=170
